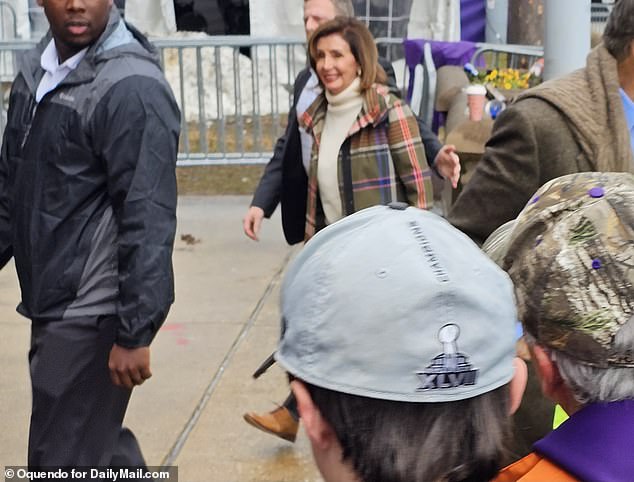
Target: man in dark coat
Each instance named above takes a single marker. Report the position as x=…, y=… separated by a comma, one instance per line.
x=88, y=212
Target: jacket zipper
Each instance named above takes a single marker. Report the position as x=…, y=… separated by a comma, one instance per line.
x=32, y=109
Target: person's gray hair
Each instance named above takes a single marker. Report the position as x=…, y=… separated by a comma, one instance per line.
x=619, y=31
x=343, y=8
x=590, y=384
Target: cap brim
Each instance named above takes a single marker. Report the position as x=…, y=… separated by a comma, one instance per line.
x=497, y=244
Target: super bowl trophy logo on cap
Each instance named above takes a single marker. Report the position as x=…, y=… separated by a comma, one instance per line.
x=451, y=368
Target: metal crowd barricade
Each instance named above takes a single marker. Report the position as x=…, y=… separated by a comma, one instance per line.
x=234, y=107
x=8, y=32
x=9, y=52
x=8, y=21
x=233, y=92
x=506, y=56
x=392, y=49
x=486, y=55
x=599, y=14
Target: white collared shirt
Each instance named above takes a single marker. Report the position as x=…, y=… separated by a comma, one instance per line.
x=309, y=93
x=54, y=73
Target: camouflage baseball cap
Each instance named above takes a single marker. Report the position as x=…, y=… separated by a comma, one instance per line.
x=571, y=258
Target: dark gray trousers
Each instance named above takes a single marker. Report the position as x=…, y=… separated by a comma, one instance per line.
x=77, y=412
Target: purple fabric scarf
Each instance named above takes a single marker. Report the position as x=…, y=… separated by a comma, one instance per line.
x=595, y=444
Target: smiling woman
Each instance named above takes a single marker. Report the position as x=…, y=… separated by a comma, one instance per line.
x=367, y=148
x=336, y=66
x=346, y=47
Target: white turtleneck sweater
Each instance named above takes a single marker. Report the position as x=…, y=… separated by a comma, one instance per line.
x=343, y=109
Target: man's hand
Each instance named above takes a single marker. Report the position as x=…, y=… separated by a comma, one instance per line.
x=447, y=163
x=129, y=366
x=252, y=222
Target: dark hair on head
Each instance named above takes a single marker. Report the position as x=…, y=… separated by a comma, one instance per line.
x=361, y=43
x=619, y=31
x=387, y=441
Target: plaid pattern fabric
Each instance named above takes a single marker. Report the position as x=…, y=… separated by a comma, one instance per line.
x=386, y=157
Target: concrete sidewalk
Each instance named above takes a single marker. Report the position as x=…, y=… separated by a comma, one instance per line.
x=223, y=324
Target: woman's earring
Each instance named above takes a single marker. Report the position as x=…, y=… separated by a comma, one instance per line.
x=359, y=72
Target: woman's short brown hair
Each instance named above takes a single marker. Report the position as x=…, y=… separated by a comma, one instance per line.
x=361, y=43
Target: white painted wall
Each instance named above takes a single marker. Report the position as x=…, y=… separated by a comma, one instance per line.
x=431, y=19
x=435, y=20
x=23, y=26
x=152, y=17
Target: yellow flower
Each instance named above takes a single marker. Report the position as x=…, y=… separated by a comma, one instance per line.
x=509, y=78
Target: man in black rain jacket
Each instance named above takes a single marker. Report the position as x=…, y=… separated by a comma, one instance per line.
x=88, y=211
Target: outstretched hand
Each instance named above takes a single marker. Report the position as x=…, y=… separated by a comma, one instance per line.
x=447, y=163
x=252, y=222
x=129, y=366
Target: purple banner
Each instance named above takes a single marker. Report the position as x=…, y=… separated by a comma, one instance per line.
x=473, y=19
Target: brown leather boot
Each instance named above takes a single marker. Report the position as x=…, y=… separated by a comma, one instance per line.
x=279, y=422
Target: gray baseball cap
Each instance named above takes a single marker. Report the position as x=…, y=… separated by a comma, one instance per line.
x=394, y=303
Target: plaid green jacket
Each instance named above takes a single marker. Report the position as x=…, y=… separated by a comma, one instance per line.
x=381, y=160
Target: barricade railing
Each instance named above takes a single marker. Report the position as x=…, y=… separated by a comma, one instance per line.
x=9, y=51
x=506, y=56
x=486, y=56
x=234, y=92
x=8, y=21
x=599, y=17
x=392, y=49
x=8, y=32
